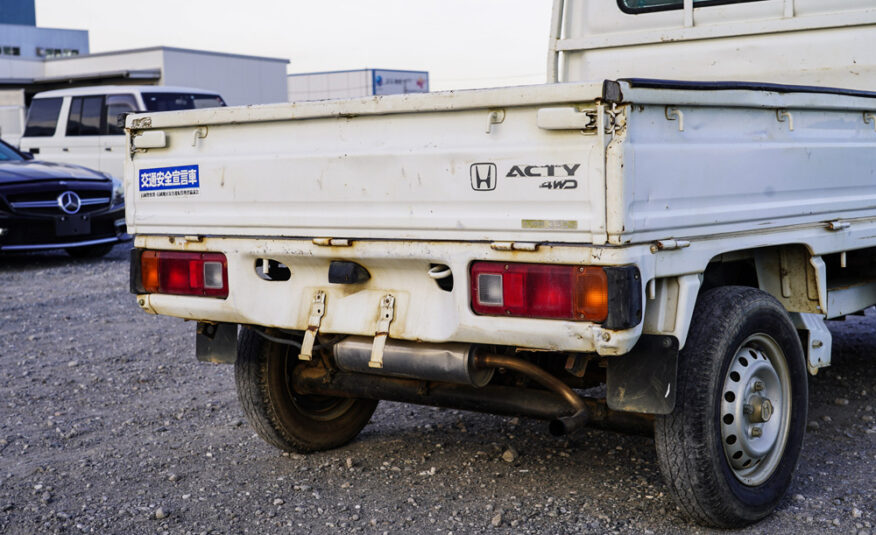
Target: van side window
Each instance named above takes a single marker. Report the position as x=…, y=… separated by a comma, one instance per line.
x=86, y=114
x=116, y=105
x=635, y=7
x=42, y=118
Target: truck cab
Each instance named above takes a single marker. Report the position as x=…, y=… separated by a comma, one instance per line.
x=80, y=126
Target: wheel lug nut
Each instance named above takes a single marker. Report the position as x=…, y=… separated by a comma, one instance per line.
x=756, y=431
x=757, y=386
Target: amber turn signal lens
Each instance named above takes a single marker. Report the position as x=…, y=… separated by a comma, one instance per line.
x=591, y=294
x=149, y=271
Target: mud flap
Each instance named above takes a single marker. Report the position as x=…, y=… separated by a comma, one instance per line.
x=216, y=342
x=644, y=380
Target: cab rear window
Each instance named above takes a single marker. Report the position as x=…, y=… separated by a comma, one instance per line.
x=647, y=6
x=42, y=118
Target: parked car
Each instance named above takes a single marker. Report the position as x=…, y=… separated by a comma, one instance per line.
x=46, y=205
x=80, y=126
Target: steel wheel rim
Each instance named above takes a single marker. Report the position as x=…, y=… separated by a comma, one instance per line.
x=755, y=412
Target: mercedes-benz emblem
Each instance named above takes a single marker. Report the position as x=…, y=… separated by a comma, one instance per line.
x=69, y=202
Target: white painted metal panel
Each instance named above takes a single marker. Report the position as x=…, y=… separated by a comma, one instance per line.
x=740, y=170
x=814, y=43
x=379, y=171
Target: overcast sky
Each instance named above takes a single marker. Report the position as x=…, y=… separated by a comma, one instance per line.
x=462, y=43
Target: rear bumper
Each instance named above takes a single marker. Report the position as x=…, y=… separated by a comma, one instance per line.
x=423, y=310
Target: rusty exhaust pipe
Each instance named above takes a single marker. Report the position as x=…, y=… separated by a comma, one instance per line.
x=558, y=426
x=491, y=399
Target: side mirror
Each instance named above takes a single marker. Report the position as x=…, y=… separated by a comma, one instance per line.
x=27, y=155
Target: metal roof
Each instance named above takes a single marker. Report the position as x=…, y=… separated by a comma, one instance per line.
x=114, y=89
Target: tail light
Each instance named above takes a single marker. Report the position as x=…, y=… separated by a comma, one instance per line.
x=540, y=291
x=182, y=273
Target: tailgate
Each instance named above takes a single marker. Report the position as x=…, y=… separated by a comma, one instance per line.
x=471, y=165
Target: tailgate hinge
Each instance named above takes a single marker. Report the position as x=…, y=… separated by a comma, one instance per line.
x=387, y=313
x=317, y=310
x=513, y=246
x=583, y=119
x=332, y=242
x=669, y=245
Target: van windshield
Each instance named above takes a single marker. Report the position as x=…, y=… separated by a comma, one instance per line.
x=180, y=101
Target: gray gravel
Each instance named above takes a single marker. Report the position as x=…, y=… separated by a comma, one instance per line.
x=108, y=424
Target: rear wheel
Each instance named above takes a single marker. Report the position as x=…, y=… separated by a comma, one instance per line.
x=90, y=251
x=731, y=445
x=280, y=416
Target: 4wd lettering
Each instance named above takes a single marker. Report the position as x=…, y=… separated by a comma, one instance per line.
x=563, y=170
x=568, y=183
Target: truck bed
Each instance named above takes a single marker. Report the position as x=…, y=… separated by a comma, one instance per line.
x=683, y=160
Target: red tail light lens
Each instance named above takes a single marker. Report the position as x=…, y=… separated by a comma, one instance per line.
x=180, y=273
x=539, y=291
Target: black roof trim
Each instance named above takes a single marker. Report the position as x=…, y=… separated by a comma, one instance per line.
x=649, y=83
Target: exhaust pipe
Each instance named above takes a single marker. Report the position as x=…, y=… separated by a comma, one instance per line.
x=492, y=399
x=446, y=363
x=566, y=425
x=454, y=363
x=558, y=426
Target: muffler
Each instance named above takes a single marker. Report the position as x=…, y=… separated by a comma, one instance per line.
x=449, y=363
x=455, y=363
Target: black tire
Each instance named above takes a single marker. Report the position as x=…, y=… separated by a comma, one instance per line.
x=284, y=419
x=90, y=251
x=734, y=329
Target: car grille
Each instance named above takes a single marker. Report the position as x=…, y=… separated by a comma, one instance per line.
x=46, y=202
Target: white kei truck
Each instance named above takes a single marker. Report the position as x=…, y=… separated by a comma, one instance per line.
x=655, y=251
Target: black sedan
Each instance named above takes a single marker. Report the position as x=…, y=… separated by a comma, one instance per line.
x=55, y=206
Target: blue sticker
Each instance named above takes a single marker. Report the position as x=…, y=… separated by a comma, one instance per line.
x=182, y=180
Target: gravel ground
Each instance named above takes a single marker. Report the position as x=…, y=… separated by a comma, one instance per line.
x=108, y=424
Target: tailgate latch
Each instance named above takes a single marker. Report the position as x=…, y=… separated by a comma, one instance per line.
x=387, y=313
x=317, y=310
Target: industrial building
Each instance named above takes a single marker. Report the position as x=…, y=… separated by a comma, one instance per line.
x=36, y=59
x=355, y=83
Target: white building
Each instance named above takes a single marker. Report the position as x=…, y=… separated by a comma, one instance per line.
x=239, y=79
x=355, y=83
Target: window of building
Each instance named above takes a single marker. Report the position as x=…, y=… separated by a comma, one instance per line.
x=10, y=50
x=86, y=115
x=42, y=118
x=54, y=52
x=646, y=6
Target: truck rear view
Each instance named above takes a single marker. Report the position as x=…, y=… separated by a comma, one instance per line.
x=680, y=242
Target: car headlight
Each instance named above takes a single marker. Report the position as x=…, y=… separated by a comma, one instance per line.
x=118, y=196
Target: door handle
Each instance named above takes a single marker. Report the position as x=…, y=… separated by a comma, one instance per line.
x=108, y=149
x=65, y=149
